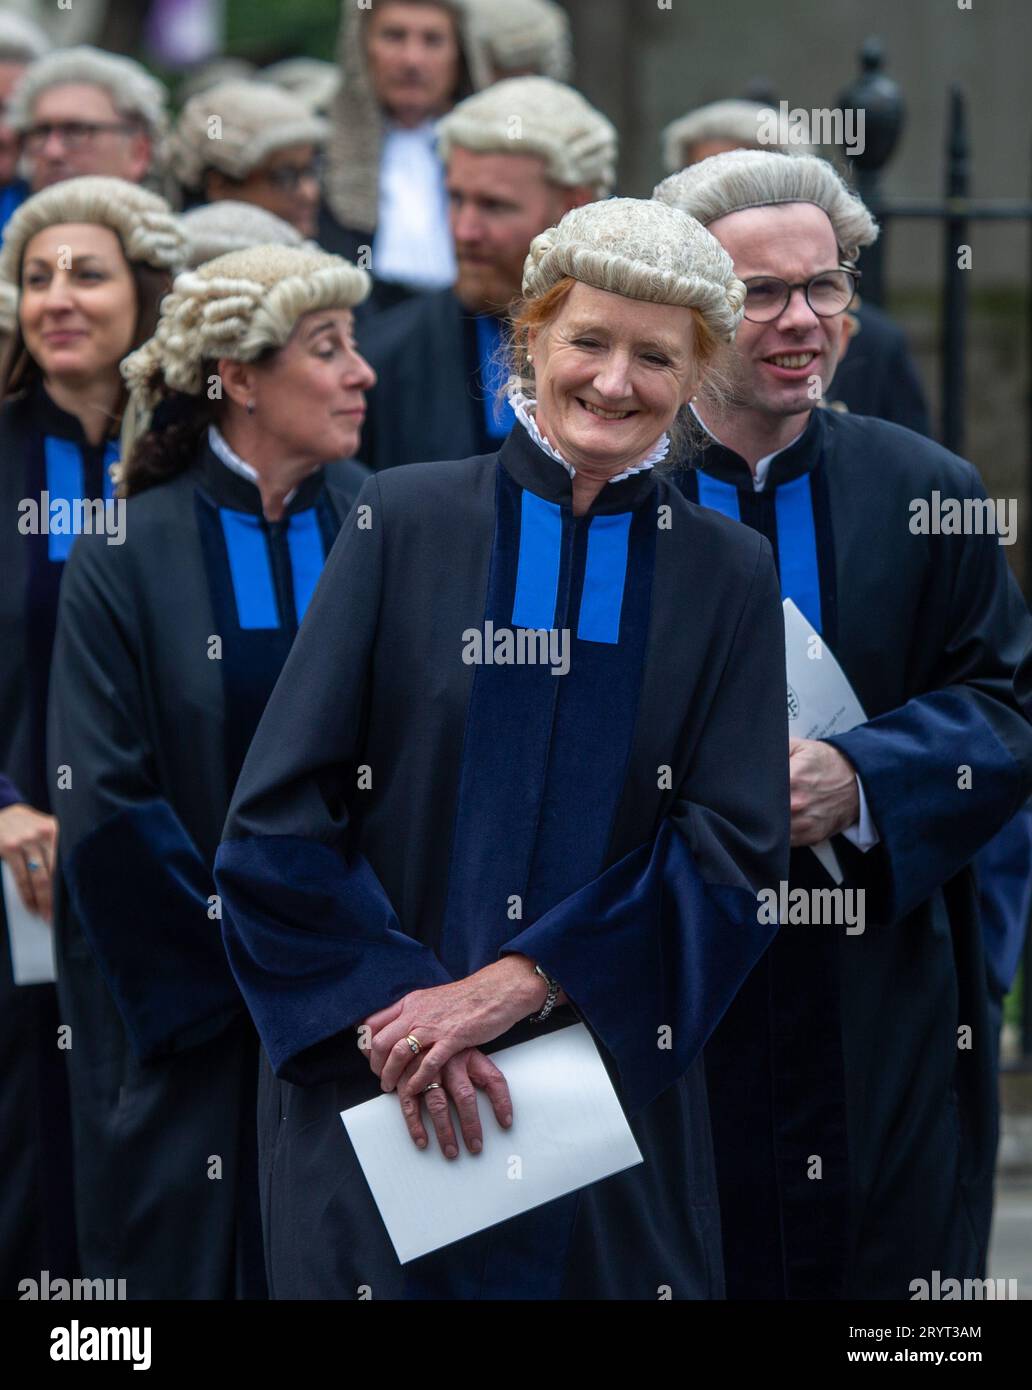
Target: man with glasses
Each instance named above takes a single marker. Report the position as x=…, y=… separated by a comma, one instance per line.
x=878, y=375
x=83, y=111
x=253, y=143
x=852, y=1080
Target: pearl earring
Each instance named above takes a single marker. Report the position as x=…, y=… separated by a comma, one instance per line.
x=530, y=357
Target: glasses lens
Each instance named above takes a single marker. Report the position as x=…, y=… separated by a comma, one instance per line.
x=765, y=298
x=830, y=292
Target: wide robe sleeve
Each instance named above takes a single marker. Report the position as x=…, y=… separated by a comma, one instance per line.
x=9, y=793
x=138, y=885
x=312, y=937
x=653, y=951
x=944, y=772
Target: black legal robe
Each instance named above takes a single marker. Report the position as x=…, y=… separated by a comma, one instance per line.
x=167, y=648
x=433, y=398
x=847, y=1047
x=396, y=796
x=45, y=459
x=878, y=375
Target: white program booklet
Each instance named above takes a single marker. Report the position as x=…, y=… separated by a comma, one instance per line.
x=568, y=1131
x=821, y=701
x=30, y=936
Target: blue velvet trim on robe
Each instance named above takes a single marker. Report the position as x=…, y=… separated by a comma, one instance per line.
x=682, y=947
x=1004, y=871
x=65, y=474
x=908, y=761
x=160, y=953
x=537, y=570
x=252, y=578
x=604, y=577
x=797, y=548
x=9, y=793
x=250, y=568
x=344, y=958
x=307, y=556
x=784, y=1235
x=717, y=495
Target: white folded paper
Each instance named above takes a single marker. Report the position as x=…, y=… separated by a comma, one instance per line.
x=30, y=937
x=568, y=1131
x=821, y=701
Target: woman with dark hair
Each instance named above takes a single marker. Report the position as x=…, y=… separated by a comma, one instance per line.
x=167, y=649
x=84, y=265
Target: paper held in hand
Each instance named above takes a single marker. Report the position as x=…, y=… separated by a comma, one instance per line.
x=568, y=1131
x=821, y=702
x=30, y=937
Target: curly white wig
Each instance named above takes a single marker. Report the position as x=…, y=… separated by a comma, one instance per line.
x=236, y=307
x=146, y=226
x=214, y=229
x=525, y=35
x=740, y=179
x=535, y=115
x=234, y=126
x=21, y=39
x=133, y=92
x=642, y=250
x=740, y=123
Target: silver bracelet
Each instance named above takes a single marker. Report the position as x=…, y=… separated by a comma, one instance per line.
x=550, y=998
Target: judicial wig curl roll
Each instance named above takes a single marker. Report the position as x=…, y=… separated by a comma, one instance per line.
x=243, y=306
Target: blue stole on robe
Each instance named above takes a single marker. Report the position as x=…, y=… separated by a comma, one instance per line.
x=543, y=766
x=59, y=461
x=782, y=1228
x=261, y=577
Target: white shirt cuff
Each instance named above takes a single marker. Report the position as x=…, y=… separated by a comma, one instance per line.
x=863, y=832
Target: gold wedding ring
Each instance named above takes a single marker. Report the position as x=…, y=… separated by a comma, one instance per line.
x=413, y=1043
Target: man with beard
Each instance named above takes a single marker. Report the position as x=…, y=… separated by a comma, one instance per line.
x=519, y=156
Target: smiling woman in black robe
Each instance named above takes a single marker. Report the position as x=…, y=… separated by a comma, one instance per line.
x=166, y=651
x=415, y=830
x=78, y=313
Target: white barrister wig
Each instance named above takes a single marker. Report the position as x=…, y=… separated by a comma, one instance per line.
x=21, y=39
x=525, y=36
x=133, y=92
x=146, y=226
x=213, y=229
x=234, y=126
x=643, y=250
x=235, y=306
x=210, y=73
x=746, y=124
x=312, y=80
x=535, y=115
x=741, y=179
x=358, y=123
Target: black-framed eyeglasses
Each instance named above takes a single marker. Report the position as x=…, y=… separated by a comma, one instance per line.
x=74, y=135
x=828, y=293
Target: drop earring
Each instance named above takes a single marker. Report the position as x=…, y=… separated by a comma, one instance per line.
x=250, y=407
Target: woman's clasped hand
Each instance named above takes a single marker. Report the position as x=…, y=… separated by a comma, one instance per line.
x=426, y=1048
